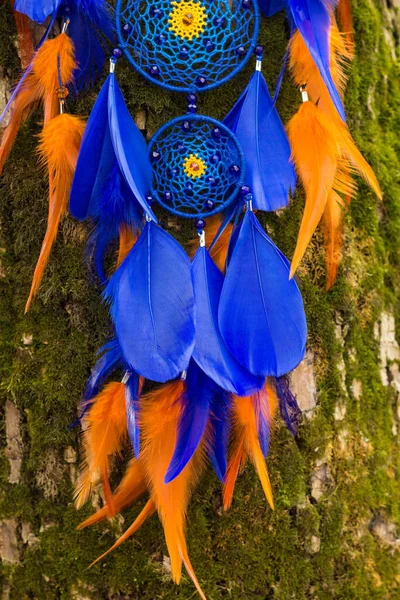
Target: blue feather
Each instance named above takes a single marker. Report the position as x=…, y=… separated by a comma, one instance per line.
x=263, y=420
x=37, y=10
x=257, y=125
x=152, y=306
x=313, y=20
x=92, y=32
x=130, y=147
x=195, y=405
x=96, y=158
x=271, y=7
x=289, y=409
x=220, y=427
x=261, y=313
x=210, y=351
x=132, y=411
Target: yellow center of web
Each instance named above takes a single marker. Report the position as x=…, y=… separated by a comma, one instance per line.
x=194, y=166
x=187, y=19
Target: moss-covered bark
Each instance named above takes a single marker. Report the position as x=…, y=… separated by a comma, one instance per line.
x=341, y=546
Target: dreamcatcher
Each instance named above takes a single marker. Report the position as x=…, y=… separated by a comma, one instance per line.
x=219, y=331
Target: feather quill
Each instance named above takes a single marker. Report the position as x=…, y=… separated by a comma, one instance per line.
x=106, y=428
x=58, y=149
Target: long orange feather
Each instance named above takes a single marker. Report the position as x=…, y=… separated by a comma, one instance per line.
x=127, y=239
x=345, y=17
x=160, y=413
x=245, y=443
x=40, y=86
x=25, y=41
x=220, y=248
x=315, y=152
x=58, y=149
x=333, y=232
x=106, y=428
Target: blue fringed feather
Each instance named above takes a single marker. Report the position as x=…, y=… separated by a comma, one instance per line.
x=210, y=351
x=289, y=409
x=152, y=306
x=257, y=125
x=217, y=446
x=261, y=313
x=195, y=405
x=37, y=10
x=132, y=411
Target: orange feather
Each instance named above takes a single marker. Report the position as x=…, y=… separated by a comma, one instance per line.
x=103, y=437
x=132, y=486
x=160, y=413
x=40, y=86
x=333, y=232
x=58, y=149
x=345, y=17
x=127, y=239
x=315, y=152
x=25, y=42
x=220, y=249
x=245, y=443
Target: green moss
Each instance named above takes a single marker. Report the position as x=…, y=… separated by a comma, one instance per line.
x=249, y=552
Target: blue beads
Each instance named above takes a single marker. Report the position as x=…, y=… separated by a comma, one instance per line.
x=189, y=188
x=209, y=204
x=127, y=28
x=149, y=199
x=161, y=39
x=172, y=172
x=200, y=224
x=192, y=98
x=246, y=4
x=184, y=52
x=154, y=71
x=156, y=13
x=245, y=190
x=192, y=108
x=186, y=126
x=234, y=169
x=167, y=196
x=117, y=52
x=215, y=158
x=209, y=45
x=201, y=81
x=216, y=133
x=212, y=182
x=180, y=147
x=240, y=50
x=219, y=21
x=155, y=156
x=259, y=51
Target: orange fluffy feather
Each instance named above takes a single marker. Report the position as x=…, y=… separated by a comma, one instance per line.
x=315, y=152
x=220, y=249
x=345, y=17
x=40, y=86
x=245, y=442
x=106, y=428
x=333, y=232
x=127, y=238
x=58, y=149
x=160, y=413
x=24, y=33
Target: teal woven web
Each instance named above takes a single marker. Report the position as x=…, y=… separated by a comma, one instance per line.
x=216, y=54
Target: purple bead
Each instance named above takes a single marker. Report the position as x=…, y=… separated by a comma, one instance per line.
x=149, y=199
x=192, y=98
x=259, y=51
x=184, y=52
x=209, y=204
x=154, y=71
x=246, y=4
x=172, y=172
x=180, y=147
x=245, y=190
x=127, y=28
x=189, y=188
x=155, y=156
x=161, y=39
x=215, y=158
x=219, y=21
x=155, y=12
x=240, y=50
x=234, y=169
x=186, y=126
x=201, y=81
x=117, y=52
x=216, y=133
x=192, y=108
x=209, y=45
x=167, y=196
x=200, y=224
x=212, y=182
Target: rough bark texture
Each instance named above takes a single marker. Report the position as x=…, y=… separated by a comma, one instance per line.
x=337, y=491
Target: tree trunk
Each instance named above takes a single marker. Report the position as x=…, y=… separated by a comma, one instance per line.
x=336, y=486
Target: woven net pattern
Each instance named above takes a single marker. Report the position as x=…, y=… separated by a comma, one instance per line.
x=223, y=40
x=178, y=155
